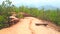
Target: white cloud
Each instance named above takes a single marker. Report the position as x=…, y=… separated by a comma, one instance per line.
x=35, y=2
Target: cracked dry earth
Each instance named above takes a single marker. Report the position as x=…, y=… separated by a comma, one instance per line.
x=27, y=26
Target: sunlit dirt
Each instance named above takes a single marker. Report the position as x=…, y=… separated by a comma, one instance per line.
x=28, y=25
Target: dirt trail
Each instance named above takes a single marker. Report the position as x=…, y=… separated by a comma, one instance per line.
x=27, y=26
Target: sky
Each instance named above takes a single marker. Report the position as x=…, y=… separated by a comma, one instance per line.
x=35, y=3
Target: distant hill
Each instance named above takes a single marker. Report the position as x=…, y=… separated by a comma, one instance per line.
x=46, y=7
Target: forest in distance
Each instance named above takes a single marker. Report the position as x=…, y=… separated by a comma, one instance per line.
x=52, y=15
